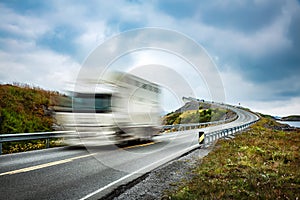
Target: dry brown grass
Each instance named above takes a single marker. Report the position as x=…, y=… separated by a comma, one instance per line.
x=260, y=163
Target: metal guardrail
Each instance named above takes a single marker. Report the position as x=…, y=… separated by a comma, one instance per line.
x=56, y=134
x=212, y=136
x=209, y=137
x=31, y=136
x=184, y=127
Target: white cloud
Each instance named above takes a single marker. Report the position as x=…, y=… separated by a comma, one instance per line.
x=20, y=25
x=266, y=41
x=40, y=67
x=276, y=108
x=260, y=97
x=239, y=89
x=93, y=35
x=23, y=60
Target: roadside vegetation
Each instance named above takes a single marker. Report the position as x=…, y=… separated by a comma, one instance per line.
x=26, y=109
x=261, y=163
x=197, y=112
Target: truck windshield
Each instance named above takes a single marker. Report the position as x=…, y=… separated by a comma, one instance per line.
x=98, y=103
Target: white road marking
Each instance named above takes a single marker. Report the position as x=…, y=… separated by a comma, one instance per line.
x=141, y=170
x=27, y=169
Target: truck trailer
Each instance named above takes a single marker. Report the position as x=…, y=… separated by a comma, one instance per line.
x=116, y=110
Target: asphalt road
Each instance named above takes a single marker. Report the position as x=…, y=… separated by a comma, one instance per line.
x=81, y=173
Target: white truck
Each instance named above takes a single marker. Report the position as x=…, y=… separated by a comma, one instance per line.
x=113, y=111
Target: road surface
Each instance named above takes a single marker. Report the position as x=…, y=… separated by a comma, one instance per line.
x=91, y=173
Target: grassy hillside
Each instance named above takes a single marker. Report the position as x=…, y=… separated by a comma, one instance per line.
x=261, y=163
x=25, y=109
x=196, y=112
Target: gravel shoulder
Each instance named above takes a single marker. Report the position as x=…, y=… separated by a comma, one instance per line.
x=165, y=178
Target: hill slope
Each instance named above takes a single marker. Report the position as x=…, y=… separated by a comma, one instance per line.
x=291, y=118
x=261, y=163
x=25, y=109
x=197, y=112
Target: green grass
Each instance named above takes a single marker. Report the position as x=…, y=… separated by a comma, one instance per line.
x=26, y=109
x=22, y=146
x=261, y=163
x=196, y=116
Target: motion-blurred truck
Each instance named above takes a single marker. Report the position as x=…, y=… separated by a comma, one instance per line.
x=119, y=109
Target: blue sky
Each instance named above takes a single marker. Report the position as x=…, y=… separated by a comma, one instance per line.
x=255, y=44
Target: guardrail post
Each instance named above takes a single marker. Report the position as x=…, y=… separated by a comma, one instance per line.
x=0, y=148
x=201, y=137
x=47, y=143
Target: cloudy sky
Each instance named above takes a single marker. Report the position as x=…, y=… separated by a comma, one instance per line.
x=254, y=44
